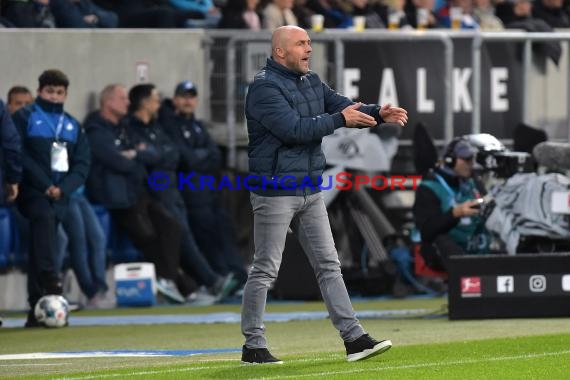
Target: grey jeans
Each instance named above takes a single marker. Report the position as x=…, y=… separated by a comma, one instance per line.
x=308, y=218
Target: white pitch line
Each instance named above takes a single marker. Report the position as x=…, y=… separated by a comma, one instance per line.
x=189, y=369
x=143, y=373
x=320, y=374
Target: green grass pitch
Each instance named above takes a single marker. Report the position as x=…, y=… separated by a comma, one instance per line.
x=424, y=348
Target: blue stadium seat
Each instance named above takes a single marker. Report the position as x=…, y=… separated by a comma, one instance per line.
x=20, y=239
x=123, y=250
x=5, y=238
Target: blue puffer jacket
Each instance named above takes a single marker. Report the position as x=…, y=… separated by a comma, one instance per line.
x=37, y=124
x=288, y=114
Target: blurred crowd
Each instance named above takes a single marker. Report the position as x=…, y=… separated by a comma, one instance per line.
x=270, y=14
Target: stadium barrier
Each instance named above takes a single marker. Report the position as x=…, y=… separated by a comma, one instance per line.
x=503, y=286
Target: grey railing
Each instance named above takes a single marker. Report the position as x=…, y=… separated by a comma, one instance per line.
x=528, y=38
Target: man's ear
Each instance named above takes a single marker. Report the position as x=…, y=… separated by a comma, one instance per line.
x=280, y=52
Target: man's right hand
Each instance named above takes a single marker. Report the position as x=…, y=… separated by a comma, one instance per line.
x=53, y=192
x=468, y=208
x=354, y=118
x=129, y=153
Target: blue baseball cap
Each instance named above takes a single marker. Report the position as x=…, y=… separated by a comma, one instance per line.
x=463, y=149
x=186, y=87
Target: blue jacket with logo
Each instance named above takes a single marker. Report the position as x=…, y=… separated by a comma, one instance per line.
x=37, y=125
x=288, y=114
x=10, y=147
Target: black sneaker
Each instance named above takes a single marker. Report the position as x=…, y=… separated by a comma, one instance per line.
x=365, y=347
x=31, y=321
x=258, y=356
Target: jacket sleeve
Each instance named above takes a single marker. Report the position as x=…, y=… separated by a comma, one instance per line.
x=104, y=151
x=78, y=165
x=148, y=156
x=202, y=6
x=267, y=105
x=205, y=159
x=213, y=161
x=34, y=175
x=429, y=218
x=10, y=144
x=335, y=103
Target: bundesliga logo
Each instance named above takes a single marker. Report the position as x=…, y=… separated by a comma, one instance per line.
x=470, y=286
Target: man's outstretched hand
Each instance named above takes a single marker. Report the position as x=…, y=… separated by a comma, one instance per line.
x=354, y=118
x=393, y=114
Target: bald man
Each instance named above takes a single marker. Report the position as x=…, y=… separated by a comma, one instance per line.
x=289, y=110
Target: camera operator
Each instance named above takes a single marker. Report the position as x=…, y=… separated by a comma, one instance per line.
x=447, y=208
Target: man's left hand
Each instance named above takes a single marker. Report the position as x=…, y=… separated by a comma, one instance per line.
x=11, y=192
x=393, y=114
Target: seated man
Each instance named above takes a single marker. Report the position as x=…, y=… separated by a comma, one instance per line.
x=117, y=182
x=82, y=14
x=143, y=126
x=200, y=156
x=447, y=206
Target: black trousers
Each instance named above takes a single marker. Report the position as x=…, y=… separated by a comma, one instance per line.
x=436, y=254
x=43, y=277
x=214, y=233
x=153, y=231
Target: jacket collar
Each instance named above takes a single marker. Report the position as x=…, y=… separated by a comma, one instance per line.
x=138, y=123
x=449, y=177
x=274, y=66
x=95, y=119
x=48, y=106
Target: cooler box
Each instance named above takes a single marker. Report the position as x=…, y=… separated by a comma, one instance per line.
x=135, y=284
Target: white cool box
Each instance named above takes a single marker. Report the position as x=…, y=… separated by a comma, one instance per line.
x=135, y=284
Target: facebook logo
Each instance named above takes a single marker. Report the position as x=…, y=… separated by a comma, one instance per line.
x=505, y=284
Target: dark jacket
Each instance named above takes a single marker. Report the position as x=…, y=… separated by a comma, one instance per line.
x=10, y=151
x=115, y=181
x=37, y=124
x=198, y=152
x=555, y=17
x=429, y=216
x=232, y=18
x=288, y=114
x=153, y=135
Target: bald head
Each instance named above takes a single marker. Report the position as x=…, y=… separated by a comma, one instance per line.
x=282, y=34
x=291, y=47
x=114, y=102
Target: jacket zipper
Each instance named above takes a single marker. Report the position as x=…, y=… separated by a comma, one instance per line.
x=310, y=112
